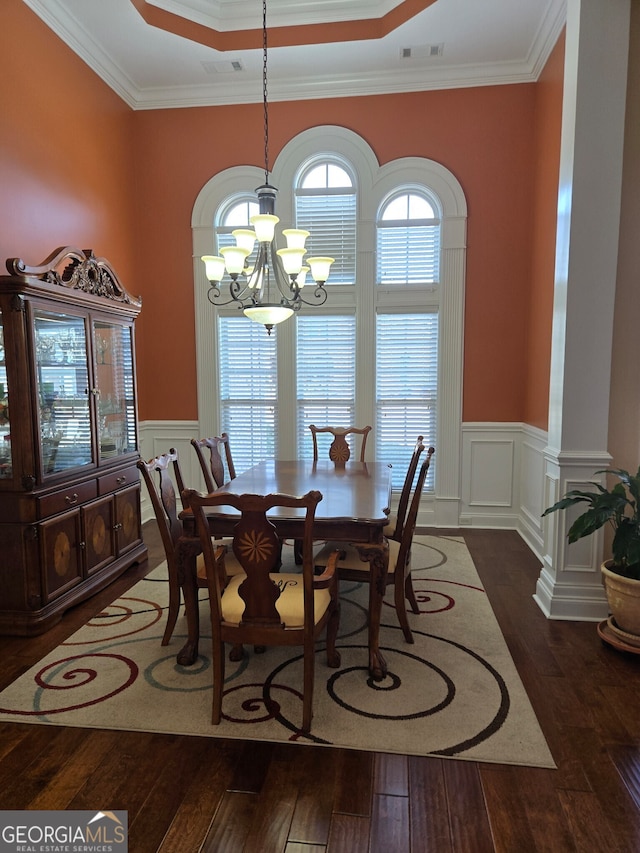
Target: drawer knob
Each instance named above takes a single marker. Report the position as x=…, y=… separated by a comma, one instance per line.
x=121, y=480
x=72, y=499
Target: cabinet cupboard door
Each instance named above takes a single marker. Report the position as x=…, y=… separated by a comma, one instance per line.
x=60, y=553
x=128, y=529
x=62, y=390
x=99, y=534
x=117, y=431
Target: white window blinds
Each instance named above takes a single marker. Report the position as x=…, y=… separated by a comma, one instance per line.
x=408, y=241
x=325, y=199
x=406, y=388
x=248, y=389
x=326, y=384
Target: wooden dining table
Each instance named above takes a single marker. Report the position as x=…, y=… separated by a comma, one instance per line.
x=354, y=508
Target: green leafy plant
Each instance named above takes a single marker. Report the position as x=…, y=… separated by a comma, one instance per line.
x=619, y=506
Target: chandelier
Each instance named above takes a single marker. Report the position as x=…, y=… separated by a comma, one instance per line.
x=271, y=290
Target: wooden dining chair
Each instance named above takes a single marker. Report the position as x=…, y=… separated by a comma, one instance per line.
x=157, y=476
x=399, y=574
x=393, y=528
x=265, y=607
x=339, y=451
x=211, y=461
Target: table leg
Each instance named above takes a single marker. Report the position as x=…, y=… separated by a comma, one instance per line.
x=378, y=558
x=187, y=551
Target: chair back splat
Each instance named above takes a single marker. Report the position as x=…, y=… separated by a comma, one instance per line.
x=213, y=466
x=395, y=525
x=339, y=451
x=261, y=606
x=157, y=475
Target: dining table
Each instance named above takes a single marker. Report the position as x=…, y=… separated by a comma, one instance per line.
x=356, y=498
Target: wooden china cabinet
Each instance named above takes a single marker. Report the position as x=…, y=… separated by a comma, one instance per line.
x=69, y=486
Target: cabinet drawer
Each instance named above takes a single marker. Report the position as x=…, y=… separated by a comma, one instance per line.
x=118, y=480
x=66, y=498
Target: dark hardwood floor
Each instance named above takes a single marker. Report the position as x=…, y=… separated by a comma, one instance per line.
x=188, y=793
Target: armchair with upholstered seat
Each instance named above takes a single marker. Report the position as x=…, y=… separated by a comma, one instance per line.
x=264, y=607
x=162, y=492
x=399, y=573
x=339, y=451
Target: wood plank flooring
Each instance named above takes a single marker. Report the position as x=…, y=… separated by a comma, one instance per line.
x=205, y=794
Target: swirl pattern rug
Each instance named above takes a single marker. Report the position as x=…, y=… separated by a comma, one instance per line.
x=454, y=693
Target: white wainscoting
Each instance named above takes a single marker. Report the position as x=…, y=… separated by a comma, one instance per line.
x=502, y=475
x=503, y=478
x=157, y=437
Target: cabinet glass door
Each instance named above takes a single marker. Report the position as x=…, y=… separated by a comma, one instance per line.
x=6, y=466
x=113, y=343
x=62, y=387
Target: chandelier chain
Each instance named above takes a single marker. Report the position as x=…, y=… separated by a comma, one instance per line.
x=264, y=91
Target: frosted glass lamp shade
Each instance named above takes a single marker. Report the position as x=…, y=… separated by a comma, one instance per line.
x=268, y=315
x=320, y=268
x=295, y=237
x=214, y=267
x=264, y=225
x=301, y=277
x=291, y=260
x=234, y=258
x=245, y=238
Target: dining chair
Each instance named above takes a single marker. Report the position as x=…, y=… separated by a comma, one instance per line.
x=339, y=451
x=265, y=607
x=399, y=574
x=393, y=528
x=157, y=476
x=213, y=467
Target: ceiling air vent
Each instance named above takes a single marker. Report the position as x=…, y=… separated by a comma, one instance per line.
x=424, y=51
x=229, y=67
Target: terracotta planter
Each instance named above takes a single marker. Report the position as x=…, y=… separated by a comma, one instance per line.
x=623, y=595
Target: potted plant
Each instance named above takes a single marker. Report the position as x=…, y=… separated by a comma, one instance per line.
x=618, y=506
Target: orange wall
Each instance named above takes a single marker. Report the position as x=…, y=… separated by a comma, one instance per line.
x=545, y=201
x=483, y=135
x=77, y=166
x=65, y=161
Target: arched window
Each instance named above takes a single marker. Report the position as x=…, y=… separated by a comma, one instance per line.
x=408, y=239
x=386, y=347
x=325, y=204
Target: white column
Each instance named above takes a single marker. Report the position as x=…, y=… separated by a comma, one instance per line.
x=595, y=75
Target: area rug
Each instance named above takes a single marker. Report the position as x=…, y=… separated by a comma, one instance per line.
x=455, y=692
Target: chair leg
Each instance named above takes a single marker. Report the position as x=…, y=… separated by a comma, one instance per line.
x=237, y=652
x=401, y=609
x=172, y=610
x=410, y=594
x=307, y=688
x=333, y=655
x=218, y=683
